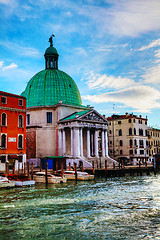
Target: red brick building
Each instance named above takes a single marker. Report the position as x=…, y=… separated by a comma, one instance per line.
x=12, y=130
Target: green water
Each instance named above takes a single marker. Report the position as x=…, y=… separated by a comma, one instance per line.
x=119, y=208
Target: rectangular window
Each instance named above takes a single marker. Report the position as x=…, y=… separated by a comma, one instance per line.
x=121, y=152
x=130, y=152
x=28, y=119
x=3, y=100
x=49, y=117
x=20, y=102
x=141, y=151
x=119, y=122
x=3, y=159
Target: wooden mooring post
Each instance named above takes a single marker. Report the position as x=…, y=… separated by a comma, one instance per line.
x=14, y=168
x=62, y=168
x=106, y=168
x=28, y=169
x=46, y=172
x=18, y=167
x=75, y=169
x=6, y=169
x=56, y=166
x=24, y=168
x=40, y=166
x=69, y=166
x=82, y=167
x=93, y=167
x=32, y=171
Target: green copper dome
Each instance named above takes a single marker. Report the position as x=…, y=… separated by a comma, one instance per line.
x=50, y=51
x=50, y=86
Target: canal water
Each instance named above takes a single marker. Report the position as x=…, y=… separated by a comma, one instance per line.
x=119, y=208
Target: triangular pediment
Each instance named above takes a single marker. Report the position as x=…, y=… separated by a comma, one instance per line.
x=93, y=116
x=85, y=116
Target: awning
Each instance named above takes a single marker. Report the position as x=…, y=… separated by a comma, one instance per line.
x=13, y=156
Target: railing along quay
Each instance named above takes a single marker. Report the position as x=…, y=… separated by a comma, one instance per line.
x=117, y=171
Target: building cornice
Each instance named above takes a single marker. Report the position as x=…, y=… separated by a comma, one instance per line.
x=13, y=109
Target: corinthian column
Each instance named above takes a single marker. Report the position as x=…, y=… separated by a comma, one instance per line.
x=96, y=142
x=72, y=142
x=88, y=143
x=106, y=142
x=64, y=141
x=60, y=142
x=76, y=142
x=81, y=142
x=103, y=149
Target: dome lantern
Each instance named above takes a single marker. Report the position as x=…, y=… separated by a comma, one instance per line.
x=51, y=56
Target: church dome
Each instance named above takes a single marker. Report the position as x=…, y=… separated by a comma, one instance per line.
x=50, y=51
x=50, y=86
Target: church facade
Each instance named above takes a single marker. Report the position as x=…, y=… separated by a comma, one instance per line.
x=57, y=122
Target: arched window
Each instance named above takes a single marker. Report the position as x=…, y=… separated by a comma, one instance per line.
x=130, y=142
x=4, y=119
x=20, y=141
x=3, y=141
x=141, y=143
x=129, y=120
x=120, y=143
x=134, y=131
x=135, y=142
x=130, y=131
x=120, y=132
x=20, y=121
x=140, y=131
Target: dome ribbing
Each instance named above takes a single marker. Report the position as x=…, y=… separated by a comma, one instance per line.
x=50, y=86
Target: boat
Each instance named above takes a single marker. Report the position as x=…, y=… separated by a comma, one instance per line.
x=40, y=177
x=6, y=183
x=81, y=176
x=21, y=180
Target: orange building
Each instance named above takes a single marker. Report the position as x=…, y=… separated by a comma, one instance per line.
x=13, y=130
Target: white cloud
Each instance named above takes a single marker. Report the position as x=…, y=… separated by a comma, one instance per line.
x=134, y=17
x=104, y=81
x=154, y=43
x=20, y=50
x=11, y=66
x=5, y=1
x=1, y=63
x=140, y=98
x=157, y=54
x=152, y=75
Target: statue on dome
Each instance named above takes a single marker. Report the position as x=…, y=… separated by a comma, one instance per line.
x=51, y=40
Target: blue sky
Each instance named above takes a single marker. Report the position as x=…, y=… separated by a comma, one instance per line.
x=111, y=48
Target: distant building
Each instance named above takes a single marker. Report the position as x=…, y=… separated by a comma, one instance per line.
x=127, y=138
x=13, y=130
x=153, y=142
x=57, y=122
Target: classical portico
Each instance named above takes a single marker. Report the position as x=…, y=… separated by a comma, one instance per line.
x=83, y=135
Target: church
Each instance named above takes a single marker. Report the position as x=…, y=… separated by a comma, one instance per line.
x=57, y=122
